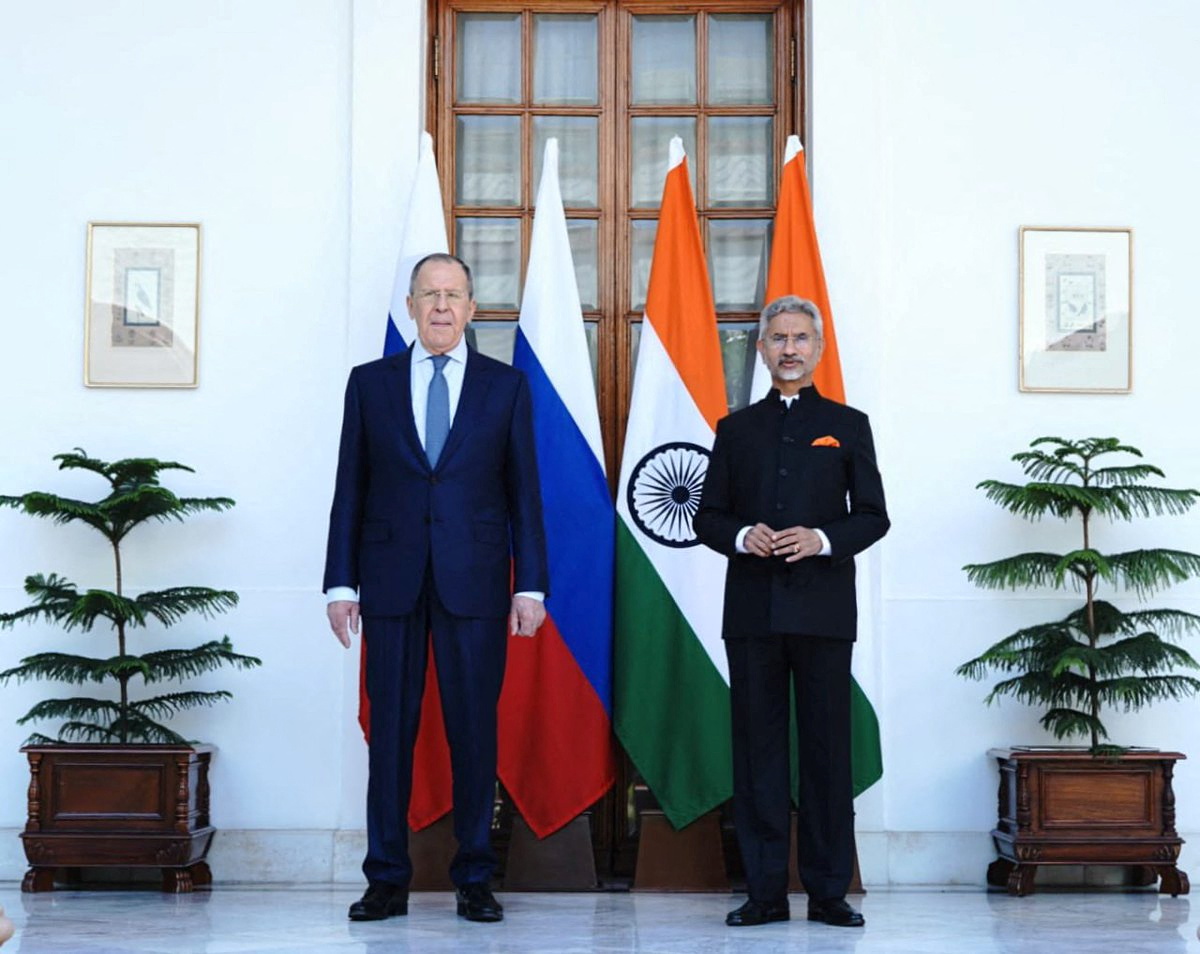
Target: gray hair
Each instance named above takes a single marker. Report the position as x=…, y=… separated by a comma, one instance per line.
x=443, y=258
x=790, y=304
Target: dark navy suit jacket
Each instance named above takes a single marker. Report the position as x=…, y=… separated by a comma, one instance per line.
x=394, y=516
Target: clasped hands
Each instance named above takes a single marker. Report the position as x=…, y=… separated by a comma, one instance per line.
x=526, y=615
x=794, y=543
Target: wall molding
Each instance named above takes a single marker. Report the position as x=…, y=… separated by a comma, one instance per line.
x=323, y=856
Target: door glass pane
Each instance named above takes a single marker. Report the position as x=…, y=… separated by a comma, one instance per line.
x=738, y=253
x=641, y=251
x=488, y=60
x=664, y=60
x=738, y=354
x=584, y=236
x=741, y=57
x=741, y=163
x=492, y=247
x=497, y=339
x=578, y=157
x=493, y=338
x=635, y=343
x=651, y=138
x=591, y=331
x=487, y=169
x=565, y=60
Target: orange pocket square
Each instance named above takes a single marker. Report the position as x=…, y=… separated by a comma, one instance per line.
x=827, y=441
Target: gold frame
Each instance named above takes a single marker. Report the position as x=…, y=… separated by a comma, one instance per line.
x=1075, y=298
x=142, y=305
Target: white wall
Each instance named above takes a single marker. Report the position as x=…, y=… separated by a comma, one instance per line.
x=238, y=116
x=939, y=128
x=288, y=130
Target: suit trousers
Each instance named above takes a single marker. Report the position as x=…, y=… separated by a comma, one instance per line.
x=470, y=655
x=761, y=672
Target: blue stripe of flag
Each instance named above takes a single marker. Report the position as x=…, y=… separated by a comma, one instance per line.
x=392, y=342
x=580, y=527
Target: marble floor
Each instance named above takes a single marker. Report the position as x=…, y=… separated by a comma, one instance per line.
x=310, y=918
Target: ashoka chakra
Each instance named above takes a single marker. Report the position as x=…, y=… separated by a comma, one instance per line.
x=664, y=492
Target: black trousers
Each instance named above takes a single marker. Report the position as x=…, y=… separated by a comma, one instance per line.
x=470, y=655
x=763, y=672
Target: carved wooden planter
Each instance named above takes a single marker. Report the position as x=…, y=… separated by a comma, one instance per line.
x=1062, y=806
x=125, y=806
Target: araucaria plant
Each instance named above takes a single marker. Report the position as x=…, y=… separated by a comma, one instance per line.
x=135, y=496
x=1098, y=655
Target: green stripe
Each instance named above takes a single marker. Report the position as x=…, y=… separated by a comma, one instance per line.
x=866, y=759
x=865, y=753
x=670, y=705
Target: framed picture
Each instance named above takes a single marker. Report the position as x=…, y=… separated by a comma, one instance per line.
x=1076, y=310
x=142, y=313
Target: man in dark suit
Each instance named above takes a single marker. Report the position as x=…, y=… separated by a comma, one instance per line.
x=437, y=487
x=791, y=495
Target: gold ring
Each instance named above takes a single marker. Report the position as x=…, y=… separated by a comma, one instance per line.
x=795, y=548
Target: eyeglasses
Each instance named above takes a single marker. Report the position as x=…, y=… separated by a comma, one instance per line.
x=778, y=341
x=430, y=296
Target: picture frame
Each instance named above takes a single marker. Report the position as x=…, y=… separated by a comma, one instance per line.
x=142, y=309
x=1076, y=310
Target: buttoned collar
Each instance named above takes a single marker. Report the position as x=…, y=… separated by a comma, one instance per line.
x=457, y=353
x=806, y=398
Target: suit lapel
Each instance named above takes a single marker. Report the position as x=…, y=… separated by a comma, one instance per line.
x=472, y=403
x=399, y=389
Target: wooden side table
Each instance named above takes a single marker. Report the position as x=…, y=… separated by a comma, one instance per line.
x=1065, y=806
x=127, y=806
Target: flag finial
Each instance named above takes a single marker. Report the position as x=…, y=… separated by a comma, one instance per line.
x=676, y=154
x=793, y=148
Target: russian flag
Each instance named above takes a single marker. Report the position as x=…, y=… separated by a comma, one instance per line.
x=556, y=753
x=424, y=233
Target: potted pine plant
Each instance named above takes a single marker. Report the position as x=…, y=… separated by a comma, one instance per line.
x=1103, y=803
x=118, y=786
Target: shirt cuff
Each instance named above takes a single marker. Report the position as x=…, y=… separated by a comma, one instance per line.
x=826, y=548
x=335, y=593
x=739, y=542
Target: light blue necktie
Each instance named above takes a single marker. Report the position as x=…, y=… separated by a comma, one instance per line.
x=437, y=410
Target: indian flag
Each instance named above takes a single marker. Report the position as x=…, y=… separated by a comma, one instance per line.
x=671, y=682
x=796, y=270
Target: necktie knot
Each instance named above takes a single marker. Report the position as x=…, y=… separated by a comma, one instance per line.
x=439, y=362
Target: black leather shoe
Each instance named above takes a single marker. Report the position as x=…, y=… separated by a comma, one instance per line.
x=836, y=912
x=382, y=900
x=758, y=912
x=477, y=903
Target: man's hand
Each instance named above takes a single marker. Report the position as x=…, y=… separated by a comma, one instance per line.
x=526, y=616
x=759, y=540
x=343, y=619
x=795, y=543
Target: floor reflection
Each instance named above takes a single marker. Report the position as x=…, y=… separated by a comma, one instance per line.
x=310, y=918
